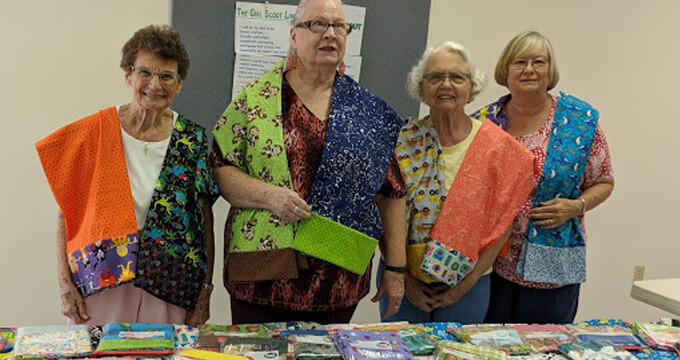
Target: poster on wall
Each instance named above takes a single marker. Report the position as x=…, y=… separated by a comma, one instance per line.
x=261, y=39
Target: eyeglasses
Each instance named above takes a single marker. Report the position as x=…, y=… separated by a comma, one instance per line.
x=520, y=64
x=318, y=26
x=438, y=78
x=166, y=77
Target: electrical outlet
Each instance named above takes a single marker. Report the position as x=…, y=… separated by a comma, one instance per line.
x=639, y=273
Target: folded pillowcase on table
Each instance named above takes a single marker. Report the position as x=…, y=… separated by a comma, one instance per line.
x=136, y=339
x=52, y=342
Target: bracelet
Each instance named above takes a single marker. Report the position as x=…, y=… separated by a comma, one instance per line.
x=396, y=269
x=207, y=287
x=583, y=206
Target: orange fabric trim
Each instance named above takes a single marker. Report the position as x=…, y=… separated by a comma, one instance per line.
x=492, y=184
x=85, y=167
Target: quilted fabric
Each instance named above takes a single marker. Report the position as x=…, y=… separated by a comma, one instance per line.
x=52, y=342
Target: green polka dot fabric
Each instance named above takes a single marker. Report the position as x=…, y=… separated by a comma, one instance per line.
x=338, y=244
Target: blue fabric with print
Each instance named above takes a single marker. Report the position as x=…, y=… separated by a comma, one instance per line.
x=362, y=133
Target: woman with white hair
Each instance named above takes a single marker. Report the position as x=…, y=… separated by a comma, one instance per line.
x=462, y=196
x=305, y=138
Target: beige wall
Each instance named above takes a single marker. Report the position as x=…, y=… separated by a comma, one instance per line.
x=621, y=56
x=60, y=62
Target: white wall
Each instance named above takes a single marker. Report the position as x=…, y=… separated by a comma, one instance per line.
x=621, y=56
x=60, y=62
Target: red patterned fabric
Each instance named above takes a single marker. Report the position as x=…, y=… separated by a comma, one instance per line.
x=598, y=170
x=323, y=286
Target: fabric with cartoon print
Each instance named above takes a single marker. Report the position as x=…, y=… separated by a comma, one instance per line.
x=557, y=255
x=359, y=144
x=84, y=164
x=448, y=231
x=172, y=260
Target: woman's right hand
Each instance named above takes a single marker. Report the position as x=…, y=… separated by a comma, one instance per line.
x=73, y=304
x=419, y=294
x=288, y=205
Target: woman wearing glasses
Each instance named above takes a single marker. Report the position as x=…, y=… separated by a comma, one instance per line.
x=539, y=279
x=305, y=138
x=462, y=196
x=135, y=193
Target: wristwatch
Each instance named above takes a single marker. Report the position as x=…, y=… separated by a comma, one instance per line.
x=207, y=287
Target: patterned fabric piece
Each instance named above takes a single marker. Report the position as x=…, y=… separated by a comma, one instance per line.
x=618, y=335
x=541, y=356
x=562, y=250
x=185, y=336
x=439, y=331
x=313, y=345
x=194, y=354
x=172, y=260
x=7, y=339
x=448, y=350
x=658, y=336
x=250, y=136
x=136, y=338
x=483, y=200
x=101, y=230
x=371, y=345
x=417, y=340
x=253, y=330
x=655, y=354
x=341, y=245
x=594, y=350
x=500, y=337
x=52, y=342
x=544, y=337
x=446, y=265
x=259, y=348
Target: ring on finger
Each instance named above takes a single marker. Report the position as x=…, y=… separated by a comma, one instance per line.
x=295, y=209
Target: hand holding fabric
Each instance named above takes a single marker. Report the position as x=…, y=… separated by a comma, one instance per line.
x=553, y=213
x=392, y=286
x=288, y=205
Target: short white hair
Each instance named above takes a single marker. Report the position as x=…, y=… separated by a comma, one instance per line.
x=415, y=77
x=300, y=9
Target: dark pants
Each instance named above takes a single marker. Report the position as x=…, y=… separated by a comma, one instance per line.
x=514, y=303
x=243, y=312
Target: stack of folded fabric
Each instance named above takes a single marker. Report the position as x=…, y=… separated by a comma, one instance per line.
x=312, y=344
x=195, y=354
x=417, y=340
x=136, y=339
x=439, y=331
x=185, y=336
x=501, y=337
x=259, y=348
x=617, y=334
x=210, y=335
x=544, y=338
x=595, y=350
x=371, y=345
x=450, y=350
x=658, y=336
x=52, y=342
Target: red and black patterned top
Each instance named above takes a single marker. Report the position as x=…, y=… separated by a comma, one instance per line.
x=323, y=286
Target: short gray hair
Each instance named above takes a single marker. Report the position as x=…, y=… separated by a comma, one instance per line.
x=415, y=76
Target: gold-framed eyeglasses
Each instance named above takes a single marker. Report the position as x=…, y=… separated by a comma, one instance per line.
x=438, y=78
x=166, y=77
x=319, y=26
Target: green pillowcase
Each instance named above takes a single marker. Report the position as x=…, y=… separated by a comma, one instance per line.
x=338, y=244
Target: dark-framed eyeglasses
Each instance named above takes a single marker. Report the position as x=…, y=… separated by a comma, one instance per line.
x=319, y=26
x=166, y=77
x=438, y=78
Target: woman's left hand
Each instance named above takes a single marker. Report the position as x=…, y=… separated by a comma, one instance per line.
x=392, y=286
x=450, y=295
x=201, y=312
x=553, y=213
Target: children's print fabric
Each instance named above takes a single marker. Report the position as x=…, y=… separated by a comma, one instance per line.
x=657, y=335
x=594, y=350
x=52, y=342
x=259, y=348
x=500, y=337
x=475, y=212
x=84, y=164
x=543, y=338
x=371, y=345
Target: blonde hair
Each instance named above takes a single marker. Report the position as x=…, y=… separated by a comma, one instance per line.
x=523, y=44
